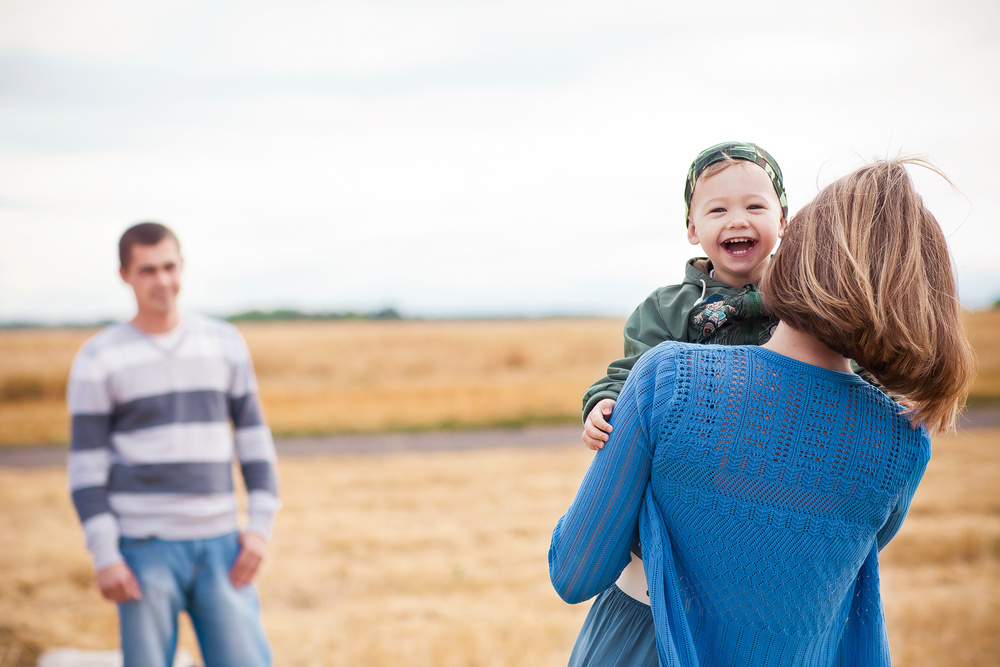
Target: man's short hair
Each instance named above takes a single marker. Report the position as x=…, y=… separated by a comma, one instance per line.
x=143, y=233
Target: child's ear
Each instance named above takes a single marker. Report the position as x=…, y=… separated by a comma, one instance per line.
x=782, y=227
x=693, y=234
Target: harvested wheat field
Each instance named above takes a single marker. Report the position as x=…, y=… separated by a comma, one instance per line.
x=362, y=376
x=356, y=376
x=440, y=559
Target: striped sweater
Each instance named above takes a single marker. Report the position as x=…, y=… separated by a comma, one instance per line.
x=155, y=423
x=762, y=489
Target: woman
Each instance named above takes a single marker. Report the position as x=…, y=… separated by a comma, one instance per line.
x=762, y=482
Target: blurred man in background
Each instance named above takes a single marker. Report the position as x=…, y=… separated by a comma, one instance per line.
x=159, y=404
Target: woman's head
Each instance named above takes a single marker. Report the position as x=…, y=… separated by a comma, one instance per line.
x=865, y=269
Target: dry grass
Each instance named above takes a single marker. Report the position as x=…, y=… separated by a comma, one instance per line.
x=415, y=559
x=940, y=575
x=34, y=364
x=327, y=377
x=440, y=559
x=984, y=330
x=324, y=377
x=363, y=376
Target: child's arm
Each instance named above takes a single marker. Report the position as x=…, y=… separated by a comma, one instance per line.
x=596, y=428
x=645, y=328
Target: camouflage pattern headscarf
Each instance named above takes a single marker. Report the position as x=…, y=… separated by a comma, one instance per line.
x=737, y=150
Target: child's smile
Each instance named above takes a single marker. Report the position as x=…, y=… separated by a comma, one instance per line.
x=740, y=246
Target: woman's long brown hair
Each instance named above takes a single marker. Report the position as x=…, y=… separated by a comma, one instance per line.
x=865, y=269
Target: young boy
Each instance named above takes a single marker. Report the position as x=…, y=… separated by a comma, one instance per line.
x=736, y=211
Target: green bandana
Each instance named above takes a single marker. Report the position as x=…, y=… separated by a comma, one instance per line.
x=736, y=150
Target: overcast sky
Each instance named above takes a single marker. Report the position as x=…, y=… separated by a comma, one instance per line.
x=457, y=158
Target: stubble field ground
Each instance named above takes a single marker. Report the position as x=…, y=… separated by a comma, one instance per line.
x=440, y=558
x=342, y=377
x=324, y=377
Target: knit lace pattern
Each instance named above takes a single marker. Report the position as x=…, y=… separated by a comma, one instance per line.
x=762, y=489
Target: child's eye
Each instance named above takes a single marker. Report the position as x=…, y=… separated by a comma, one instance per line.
x=718, y=210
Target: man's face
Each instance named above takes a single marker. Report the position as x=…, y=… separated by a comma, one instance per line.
x=154, y=274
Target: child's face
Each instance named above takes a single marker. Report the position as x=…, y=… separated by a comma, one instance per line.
x=736, y=217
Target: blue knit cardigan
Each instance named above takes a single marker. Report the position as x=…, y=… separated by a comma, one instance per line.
x=760, y=489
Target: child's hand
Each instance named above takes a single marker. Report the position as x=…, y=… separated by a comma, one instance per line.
x=597, y=428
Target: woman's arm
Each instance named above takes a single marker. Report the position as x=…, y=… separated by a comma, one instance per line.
x=895, y=520
x=591, y=542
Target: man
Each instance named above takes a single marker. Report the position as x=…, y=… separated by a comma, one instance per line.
x=159, y=405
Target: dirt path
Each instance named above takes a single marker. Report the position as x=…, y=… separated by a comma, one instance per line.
x=334, y=445
x=430, y=441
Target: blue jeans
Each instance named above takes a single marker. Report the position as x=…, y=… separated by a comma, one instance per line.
x=191, y=575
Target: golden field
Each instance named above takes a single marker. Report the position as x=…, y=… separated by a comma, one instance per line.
x=440, y=560
x=330, y=377
x=358, y=376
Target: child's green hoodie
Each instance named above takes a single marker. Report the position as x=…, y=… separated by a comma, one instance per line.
x=698, y=310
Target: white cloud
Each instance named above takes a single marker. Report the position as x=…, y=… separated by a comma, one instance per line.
x=96, y=28
x=452, y=157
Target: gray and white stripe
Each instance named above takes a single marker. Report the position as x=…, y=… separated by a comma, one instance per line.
x=155, y=433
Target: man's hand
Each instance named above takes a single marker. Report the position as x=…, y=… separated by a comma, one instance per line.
x=597, y=428
x=252, y=550
x=118, y=584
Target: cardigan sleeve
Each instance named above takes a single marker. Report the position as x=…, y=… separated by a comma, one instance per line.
x=902, y=505
x=592, y=541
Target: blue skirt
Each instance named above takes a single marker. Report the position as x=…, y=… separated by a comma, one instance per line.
x=618, y=632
